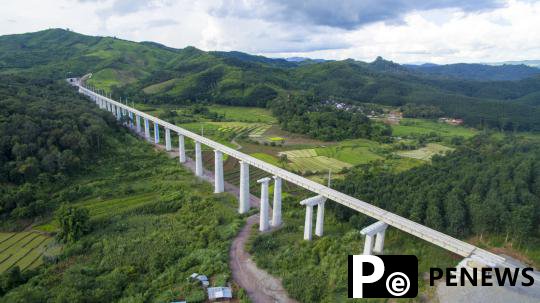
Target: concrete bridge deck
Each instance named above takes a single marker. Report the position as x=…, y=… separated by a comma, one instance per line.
x=438, y=238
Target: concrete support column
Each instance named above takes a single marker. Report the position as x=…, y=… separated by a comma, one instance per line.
x=377, y=231
x=276, y=205
x=131, y=119
x=368, y=245
x=198, y=159
x=156, y=133
x=320, y=219
x=147, y=129
x=309, y=221
x=244, y=188
x=138, y=123
x=167, y=139
x=379, y=242
x=263, y=215
x=118, y=113
x=218, y=172
x=310, y=203
x=181, y=149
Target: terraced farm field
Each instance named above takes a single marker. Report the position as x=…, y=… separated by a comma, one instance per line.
x=425, y=153
x=307, y=160
x=99, y=208
x=216, y=128
x=23, y=249
x=258, y=131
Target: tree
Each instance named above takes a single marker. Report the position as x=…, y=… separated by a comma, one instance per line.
x=73, y=223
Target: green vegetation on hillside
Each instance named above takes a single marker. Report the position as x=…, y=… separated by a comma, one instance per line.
x=144, y=234
x=488, y=185
x=48, y=134
x=306, y=115
x=150, y=72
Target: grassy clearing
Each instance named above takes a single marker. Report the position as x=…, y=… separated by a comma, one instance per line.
x=23, y=249
x=425, y=153
x=266, y=158
x=414, y=127
x=359, y=151
x=245, y=114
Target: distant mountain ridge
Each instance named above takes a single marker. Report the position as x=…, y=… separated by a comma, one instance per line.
x=157, y=73
x=532, y=63
x=479, y=72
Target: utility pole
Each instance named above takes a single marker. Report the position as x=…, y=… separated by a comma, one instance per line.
x=329, y=177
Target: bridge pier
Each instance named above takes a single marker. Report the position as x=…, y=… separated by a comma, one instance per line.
x=118, y=114
x=167, y=139
x=218, y=172
x=375, y=231
x=147, y=129
x=320, y=219
x=309, y=203
x=309, y=221
x=276, y=205
x=156, y=133
x=181, y=149
x=244, y=187
x=138, y=123
x=198, y=159
x=130, y=119
x=263, y=215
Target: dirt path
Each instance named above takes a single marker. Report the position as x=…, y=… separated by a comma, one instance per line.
x=260, y=286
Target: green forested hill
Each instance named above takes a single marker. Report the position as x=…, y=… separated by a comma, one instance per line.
x=155, y=73
x=47, y=134
x=144, y=234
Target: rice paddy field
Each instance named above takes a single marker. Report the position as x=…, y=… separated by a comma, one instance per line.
x=425, y=153
x=23, y=249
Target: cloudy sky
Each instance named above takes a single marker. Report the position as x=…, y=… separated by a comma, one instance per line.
x=443, y=31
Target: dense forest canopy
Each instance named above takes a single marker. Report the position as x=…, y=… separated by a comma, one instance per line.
x=306, y=115
x=150, y=72
x=47, y=133
x=487, y=185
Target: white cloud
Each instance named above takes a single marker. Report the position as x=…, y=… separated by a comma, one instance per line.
x=453, y=33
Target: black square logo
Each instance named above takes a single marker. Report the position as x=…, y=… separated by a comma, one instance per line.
x=391, y=276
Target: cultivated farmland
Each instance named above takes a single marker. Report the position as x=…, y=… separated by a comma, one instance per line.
x=23, y=249
x=307, y=160
x=425, y=153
